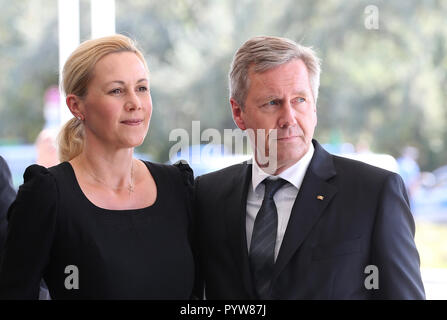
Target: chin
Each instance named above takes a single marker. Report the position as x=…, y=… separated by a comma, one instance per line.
x=292, y=154
x=133, y=143
x=138, y=143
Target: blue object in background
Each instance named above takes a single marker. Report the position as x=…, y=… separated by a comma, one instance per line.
x=18, y=157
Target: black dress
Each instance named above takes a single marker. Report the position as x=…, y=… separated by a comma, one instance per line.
x=55, y=232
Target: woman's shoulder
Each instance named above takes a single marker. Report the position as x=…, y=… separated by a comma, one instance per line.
x=39, y=189
x=179, y=170
x=37, y=176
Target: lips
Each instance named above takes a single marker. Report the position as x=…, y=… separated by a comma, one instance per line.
x=132, y=122
x=287, y=138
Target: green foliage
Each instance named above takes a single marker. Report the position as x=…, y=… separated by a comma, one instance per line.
x=386, y=87
x=28, y=64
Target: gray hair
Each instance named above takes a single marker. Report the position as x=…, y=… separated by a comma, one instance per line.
x=264, y=53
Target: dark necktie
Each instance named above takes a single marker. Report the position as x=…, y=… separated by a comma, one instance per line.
x=262, y=247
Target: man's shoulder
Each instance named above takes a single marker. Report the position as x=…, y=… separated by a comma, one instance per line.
x=3, y=165
x=223, y=181
x=356, y=169
x=225, y=174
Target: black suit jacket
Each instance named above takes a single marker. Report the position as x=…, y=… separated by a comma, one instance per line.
x=364, y=219
x=7, y=196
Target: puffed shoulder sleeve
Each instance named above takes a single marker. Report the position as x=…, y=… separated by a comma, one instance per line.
x=188, y=180
x=187, y=176
x=31, y=227
x=186, y=171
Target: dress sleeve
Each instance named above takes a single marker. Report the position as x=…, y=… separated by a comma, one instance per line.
x=188, y=180
x=31, y=228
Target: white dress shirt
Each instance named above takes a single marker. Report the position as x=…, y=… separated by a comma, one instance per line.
x=284, y=198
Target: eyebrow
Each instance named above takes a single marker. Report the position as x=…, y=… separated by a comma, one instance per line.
x=267, y=98
x=301, y=93
x=274, y=97
x=123, y=83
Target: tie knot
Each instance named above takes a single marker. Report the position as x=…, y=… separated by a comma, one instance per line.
x=271, y=186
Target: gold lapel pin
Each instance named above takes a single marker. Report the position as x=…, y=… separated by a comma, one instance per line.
x=320, y=197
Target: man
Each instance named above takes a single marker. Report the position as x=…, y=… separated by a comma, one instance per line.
x=312, y=225
x=7, y=196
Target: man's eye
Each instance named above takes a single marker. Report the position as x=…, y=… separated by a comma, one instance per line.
x=300, y=100
x=272, y=103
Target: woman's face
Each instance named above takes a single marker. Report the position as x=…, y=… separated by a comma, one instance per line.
x=118, y=105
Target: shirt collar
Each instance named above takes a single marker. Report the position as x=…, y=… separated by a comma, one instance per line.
x=294, y=174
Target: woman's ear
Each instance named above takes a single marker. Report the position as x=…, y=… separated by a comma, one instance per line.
x=236, y=110
x=74, y=104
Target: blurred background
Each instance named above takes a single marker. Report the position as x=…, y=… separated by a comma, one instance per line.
x=382, y=100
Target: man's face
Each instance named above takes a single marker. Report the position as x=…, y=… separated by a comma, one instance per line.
x=280, y=98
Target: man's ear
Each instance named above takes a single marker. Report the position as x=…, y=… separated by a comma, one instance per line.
x=237, y=114
x=74, y=104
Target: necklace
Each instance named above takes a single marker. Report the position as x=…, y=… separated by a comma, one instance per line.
x=130, y=187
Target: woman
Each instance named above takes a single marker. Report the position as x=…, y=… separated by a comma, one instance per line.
x=102, y=225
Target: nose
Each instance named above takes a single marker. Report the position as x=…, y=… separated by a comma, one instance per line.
x=287, y=116
x=133, y=101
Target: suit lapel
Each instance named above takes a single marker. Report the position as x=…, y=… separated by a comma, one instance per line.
x=235, y=221
x=308, y=206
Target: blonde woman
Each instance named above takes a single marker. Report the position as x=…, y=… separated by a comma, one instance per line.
x=102, y=224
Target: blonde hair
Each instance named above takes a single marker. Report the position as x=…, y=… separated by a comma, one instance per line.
x=264, y=53
x=76, y=76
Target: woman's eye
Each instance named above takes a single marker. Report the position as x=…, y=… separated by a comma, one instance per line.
x=143, y=89
x=116, y=91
